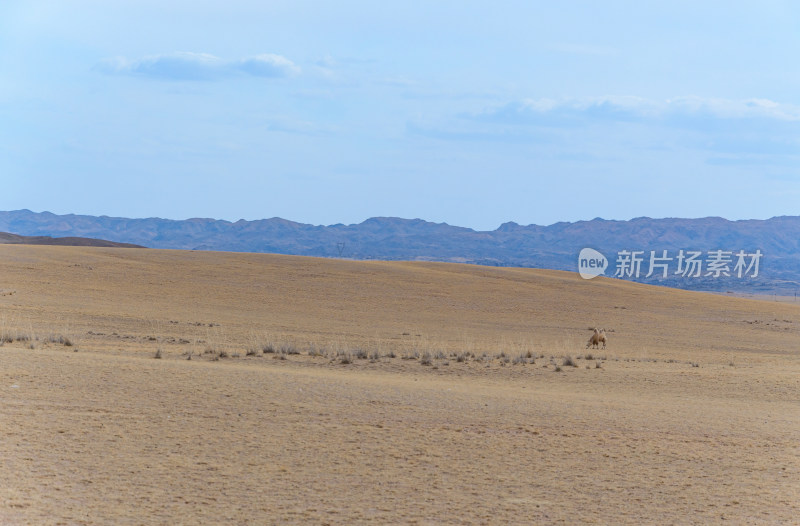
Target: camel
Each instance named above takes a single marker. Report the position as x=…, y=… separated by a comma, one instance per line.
x=599, y=335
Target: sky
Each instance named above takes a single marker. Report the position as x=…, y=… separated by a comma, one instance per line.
x=464, y=112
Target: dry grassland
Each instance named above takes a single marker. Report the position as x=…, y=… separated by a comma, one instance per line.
x=390, y=393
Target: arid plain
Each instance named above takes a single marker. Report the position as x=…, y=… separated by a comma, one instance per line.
x=296, y=390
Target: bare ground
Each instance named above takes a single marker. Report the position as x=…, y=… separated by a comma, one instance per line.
x=693, y=416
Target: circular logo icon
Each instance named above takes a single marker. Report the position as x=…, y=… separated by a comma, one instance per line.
x=591, y=263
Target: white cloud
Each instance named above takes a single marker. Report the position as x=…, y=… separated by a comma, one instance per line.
x=268, y=65
x=189, y=66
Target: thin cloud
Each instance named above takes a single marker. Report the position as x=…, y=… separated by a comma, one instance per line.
x=588, y=50
x=397, y=82
x=298, y=127
x=568, y=112
x=730, y=131
x=189, y=66
x=679, y=111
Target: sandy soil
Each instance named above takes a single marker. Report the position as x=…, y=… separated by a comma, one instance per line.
x=690, y=416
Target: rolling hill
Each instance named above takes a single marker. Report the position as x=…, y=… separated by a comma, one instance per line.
x=14, y=239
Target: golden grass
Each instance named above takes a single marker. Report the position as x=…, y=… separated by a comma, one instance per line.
x=99, y=432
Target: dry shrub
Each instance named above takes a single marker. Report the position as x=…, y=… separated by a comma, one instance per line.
x=288, y=348
x=523, y=359
x=61, y=340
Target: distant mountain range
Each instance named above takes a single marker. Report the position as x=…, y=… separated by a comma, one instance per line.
x=557, y=246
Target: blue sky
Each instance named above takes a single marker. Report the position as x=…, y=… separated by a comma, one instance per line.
x=470, y=113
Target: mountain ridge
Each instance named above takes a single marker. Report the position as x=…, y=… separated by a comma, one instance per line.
x=554, y=246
